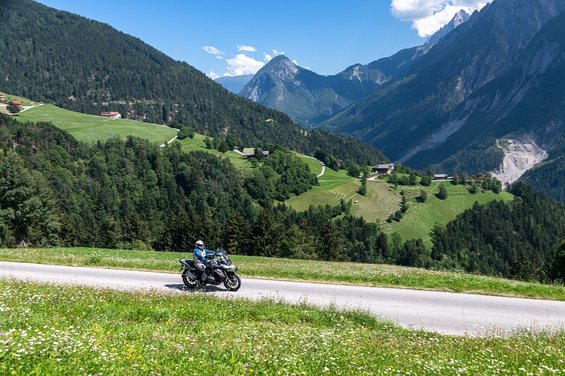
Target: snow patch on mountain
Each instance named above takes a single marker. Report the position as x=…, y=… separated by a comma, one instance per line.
x=519, y=157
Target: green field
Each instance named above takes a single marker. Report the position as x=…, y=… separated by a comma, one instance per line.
x=420, y=218
x=197, y=144
x=377, y=205
x=333, y=186
x=55, y=330
x=90, y=128
x=25, y=101
x=313, y=164
x=382, y=200
x=297, y=270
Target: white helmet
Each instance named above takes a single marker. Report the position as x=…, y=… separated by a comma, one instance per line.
x=199, y=244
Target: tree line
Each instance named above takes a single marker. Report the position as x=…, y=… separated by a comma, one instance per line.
x=87, y=66
x=132, y=194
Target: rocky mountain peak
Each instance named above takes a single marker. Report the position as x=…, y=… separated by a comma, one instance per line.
x=281, y=66
x=460, y=17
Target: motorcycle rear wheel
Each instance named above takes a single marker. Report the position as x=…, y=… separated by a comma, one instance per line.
x=188, y=281
x=233, y=282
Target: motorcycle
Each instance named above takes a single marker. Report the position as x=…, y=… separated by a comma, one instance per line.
x=224, y=272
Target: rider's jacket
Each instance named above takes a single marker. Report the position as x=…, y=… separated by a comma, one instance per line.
x=200, y=255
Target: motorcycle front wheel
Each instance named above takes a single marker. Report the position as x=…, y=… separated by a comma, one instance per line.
x=233, y=282
x=189, y=279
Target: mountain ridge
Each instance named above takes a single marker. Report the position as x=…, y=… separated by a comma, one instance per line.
x=87, y=66
x=306, y=96
x=234, y=83
x=436, y=95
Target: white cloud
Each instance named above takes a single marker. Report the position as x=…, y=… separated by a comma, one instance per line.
x=428, y=16
x=213, y=51
x=245, y=48
x=242, y=64
x=213, y=75
x=269, y=56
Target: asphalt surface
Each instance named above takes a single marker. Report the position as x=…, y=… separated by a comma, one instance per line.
x=448, y=313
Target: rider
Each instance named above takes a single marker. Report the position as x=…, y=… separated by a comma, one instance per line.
x=201, y=261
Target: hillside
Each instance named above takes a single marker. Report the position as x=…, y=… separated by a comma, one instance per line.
x=383, y=200
x=378, y=204
x=86, y=66
x=91, y=128
x=496, y=76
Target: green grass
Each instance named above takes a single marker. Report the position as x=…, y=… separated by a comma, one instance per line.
x=420, y=218
x=298, y=270
x=91, y=128
x=382, y=200
x=50, y=330
x=197, y=144
x=313, y=164
x=333, y=186
x=25, y=101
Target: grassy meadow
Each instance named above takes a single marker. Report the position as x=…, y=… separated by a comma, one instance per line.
x=377, y=205
x=331, y=188
x=197, y=144
x=49, y=330
x=313, y=164
x=25, y=101
x=420, y=218
x=91, y=128
x=382, y=200
x=295, y=270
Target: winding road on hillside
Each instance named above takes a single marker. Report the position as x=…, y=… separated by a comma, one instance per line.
x=442, y=312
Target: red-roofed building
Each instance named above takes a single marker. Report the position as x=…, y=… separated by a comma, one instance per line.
x=16, y=102
x=112, y=115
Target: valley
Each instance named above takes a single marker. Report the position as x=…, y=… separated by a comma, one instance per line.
x=445, y=103
x=403, y=189
x=380, y=202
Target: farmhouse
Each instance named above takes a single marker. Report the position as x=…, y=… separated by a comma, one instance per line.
x=250, y=153
x=386, y=168
x=111, y=115
x=441, y=176
x=16, y=102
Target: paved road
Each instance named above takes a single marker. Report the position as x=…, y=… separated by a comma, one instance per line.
x=447, y=313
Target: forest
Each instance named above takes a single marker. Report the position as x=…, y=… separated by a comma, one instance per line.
x=89, y=67
x=132, y=194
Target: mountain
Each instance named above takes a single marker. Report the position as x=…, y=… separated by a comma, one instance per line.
x=459, y=18
x=308, y=97
x=495, y=76
x=234, y=83
x=90, y=67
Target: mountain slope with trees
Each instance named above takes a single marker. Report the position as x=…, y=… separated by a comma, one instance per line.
x=494, y=76
x=132, y=194
x=87, y=66
x=513, y=240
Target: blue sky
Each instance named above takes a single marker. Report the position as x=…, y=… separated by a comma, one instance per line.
x=226, y=37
